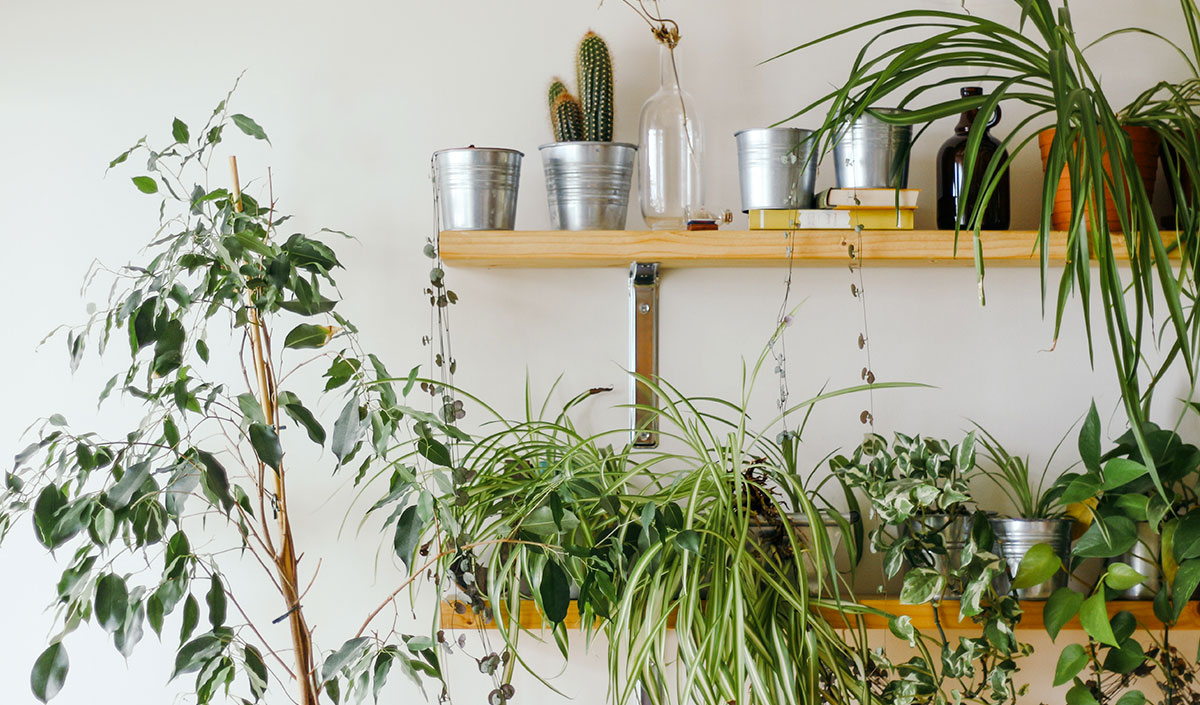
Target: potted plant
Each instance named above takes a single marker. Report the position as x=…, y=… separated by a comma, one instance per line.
x=1039, y=63
x=201, y=483
x=1039, y=517
x=661, y=547
x=918, y=488
x=587, y=174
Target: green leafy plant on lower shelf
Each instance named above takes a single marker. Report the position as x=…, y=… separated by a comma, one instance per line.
x=1119, y=494
x=664, y=547
x=223, y=318
x=919, y=489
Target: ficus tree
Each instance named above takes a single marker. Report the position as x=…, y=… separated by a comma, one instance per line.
x=222, y=327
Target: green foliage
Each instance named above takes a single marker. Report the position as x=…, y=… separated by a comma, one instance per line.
x=1038, y=64
x=590, y=117
x=566, y=117
x=594, y=78
x=1011, y=474
x=209, y=452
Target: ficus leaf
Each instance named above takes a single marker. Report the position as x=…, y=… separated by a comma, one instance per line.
x=49, y=672
x=346, y=430
x=266, y=444
x=349, y=652
x=249, y=126
x=179, y=130
x=145, y=184
x=112, y=602
x=307, y=336
x=408, y=532
x=216, y=602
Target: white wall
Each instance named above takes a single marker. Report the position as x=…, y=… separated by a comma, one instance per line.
x=356, y=96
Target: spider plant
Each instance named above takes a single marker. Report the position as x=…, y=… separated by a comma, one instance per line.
x=1040, y=64
x=662, y=548
x=1010, y=473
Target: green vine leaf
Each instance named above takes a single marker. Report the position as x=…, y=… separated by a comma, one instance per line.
x=555, y=591
x=1070, y=662
x=179, y=130
x=1093, y=615
x=408, y=532
x=1061, y=608
x=1038, y=565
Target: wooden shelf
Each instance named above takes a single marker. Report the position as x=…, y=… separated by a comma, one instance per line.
x=733, y=248
x=458, y=615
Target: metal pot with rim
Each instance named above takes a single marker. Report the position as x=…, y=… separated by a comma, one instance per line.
x=1016, y=536
x=587, y=184
x=476, y=187
x=772, y=532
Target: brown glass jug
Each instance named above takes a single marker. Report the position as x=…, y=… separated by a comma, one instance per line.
x=952, y=172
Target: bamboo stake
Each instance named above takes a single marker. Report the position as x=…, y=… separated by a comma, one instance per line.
x=285, y=559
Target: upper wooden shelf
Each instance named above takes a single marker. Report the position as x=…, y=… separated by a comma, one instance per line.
x=737, y=248
x=458, y=615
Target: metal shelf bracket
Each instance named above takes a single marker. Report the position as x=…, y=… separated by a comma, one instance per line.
x=643, y=352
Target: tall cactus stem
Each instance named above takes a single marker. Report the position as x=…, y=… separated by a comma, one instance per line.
x=595, y=80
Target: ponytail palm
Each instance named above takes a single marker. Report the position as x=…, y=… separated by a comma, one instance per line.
x=1040, y=65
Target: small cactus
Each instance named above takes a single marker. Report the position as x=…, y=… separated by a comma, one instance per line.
x=557, y=88
x=566, y=116
x=595, y=81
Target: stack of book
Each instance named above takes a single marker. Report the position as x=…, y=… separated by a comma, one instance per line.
x=845, y=209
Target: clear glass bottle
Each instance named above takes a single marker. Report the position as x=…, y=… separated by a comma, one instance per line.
x=670, y=153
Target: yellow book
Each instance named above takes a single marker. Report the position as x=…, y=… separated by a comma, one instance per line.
x=839, y=219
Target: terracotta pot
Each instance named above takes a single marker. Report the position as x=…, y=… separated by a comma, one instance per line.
x=1145, y=152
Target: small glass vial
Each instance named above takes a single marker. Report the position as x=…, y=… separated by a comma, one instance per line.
x=670, y=152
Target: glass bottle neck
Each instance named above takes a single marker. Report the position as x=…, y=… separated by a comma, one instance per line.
x=666, y=70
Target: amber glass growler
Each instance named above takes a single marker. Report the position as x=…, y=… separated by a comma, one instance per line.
x=952, y=172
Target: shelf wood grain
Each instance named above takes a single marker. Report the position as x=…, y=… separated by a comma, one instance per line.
x=458, y=615
x=745, y=248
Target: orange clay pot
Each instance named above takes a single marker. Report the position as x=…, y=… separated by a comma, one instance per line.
x=1145, y=152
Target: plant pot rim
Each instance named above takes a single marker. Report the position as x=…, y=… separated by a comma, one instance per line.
x=549, y=145
x=473, y=148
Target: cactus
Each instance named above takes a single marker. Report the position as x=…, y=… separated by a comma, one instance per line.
x=595, y=82
x=566, y=116
x=557, y=88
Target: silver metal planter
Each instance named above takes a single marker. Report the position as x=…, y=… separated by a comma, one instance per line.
x=476, y=187
x=772, y=533
x=1016, y=536
x=870, y=153
x=954, y=530
x=1144, y=558
x=776, y=167
x=587, y=184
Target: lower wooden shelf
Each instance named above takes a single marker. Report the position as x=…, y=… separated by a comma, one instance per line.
x=458, y=615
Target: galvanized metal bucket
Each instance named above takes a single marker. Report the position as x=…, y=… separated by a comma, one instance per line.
x=773, y=534
x=871, y=153
x=1144, y=558
x=1017, y=536
x=777, y=168
x=587, y=184
x=954, y=530
x=476, y=187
